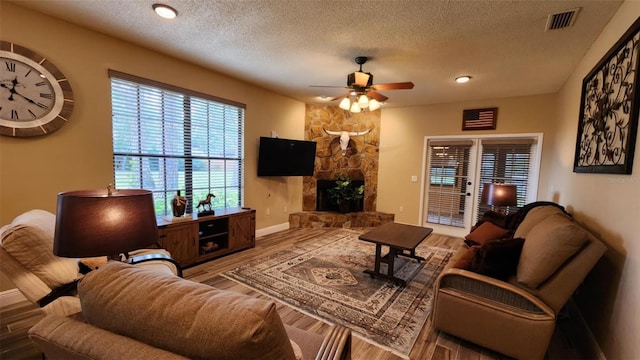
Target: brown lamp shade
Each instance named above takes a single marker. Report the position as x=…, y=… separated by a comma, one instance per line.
x=94, y=223
x=499, y=195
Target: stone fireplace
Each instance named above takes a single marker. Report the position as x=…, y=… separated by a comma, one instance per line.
x=359, y=162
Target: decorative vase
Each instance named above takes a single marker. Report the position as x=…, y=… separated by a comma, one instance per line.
x=178, y=205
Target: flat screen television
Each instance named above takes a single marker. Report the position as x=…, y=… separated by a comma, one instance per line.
x=284, y=157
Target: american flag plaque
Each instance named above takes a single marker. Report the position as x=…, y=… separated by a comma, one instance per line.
x=479, y=119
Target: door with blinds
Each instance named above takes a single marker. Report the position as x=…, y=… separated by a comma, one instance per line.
x=507, y=161
x=450, y=168
x=457, y=168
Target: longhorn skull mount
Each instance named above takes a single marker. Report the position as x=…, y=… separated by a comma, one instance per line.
x=345, y=137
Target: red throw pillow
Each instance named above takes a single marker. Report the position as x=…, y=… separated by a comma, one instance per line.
x=464, y=261
x=487, y=231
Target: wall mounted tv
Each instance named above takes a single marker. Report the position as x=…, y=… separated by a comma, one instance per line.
x=284, y=157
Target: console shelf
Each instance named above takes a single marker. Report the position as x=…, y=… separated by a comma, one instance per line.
x=205, y=238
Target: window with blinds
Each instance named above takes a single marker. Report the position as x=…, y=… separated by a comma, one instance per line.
x=166, y=139
x=506, y=161
x=448, y=178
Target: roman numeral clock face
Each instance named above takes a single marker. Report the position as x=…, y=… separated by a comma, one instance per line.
x=35, y=98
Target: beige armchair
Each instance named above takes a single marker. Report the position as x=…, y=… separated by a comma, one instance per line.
x=27, y=259
x=517, y=317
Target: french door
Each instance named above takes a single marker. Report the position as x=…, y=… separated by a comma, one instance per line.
x=457, y=167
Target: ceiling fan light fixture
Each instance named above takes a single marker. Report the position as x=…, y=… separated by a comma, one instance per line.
x=165, y=11
x=345, y=104
x=363, y=95
x=363, y=101
x=374, y=105
x=463, y=79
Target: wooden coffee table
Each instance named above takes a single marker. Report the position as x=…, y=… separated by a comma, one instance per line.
x=401, y=239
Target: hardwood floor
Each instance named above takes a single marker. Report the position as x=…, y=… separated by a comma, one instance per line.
x=569, y=340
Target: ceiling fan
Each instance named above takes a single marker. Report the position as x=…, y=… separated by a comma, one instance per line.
x=362, y=88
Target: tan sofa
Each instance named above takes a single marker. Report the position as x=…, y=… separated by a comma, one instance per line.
x=517, y=316
x=133, y=313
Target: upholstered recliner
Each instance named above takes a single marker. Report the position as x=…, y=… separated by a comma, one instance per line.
x=27, y=259
x=517, y=316
x=132, y=312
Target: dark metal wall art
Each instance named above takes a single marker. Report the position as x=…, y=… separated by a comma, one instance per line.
x=608, y=121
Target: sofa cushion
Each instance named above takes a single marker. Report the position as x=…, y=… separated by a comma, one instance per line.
x=534, y=217
x=487, y=231
x=547, y=246
x=191, y=319
x=464, y=261
x=498, y=258
x=29, y=240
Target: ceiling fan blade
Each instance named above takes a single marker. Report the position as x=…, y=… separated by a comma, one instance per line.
x=374, y=95
x=340, y=97
x=393, y=86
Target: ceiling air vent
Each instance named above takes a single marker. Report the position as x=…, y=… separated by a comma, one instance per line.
x=562, y=20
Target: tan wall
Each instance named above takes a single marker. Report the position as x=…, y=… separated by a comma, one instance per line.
x=402, y=143
x=79, y=155
x=609, y=205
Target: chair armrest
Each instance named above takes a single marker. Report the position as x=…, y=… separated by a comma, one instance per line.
x=492, y=292
x=336, y=345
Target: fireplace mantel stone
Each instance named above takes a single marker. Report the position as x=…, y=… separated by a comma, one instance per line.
x=320, y=219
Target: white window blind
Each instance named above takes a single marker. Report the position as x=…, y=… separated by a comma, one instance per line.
x=506, y=161
x=447, y=186
x=166, y=139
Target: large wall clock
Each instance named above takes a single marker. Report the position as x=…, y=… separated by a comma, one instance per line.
x=35, y=98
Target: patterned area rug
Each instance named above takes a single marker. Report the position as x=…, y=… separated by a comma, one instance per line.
x=324, y=278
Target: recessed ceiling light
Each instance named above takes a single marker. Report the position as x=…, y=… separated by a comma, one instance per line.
x=165, y=11
x=463, y=79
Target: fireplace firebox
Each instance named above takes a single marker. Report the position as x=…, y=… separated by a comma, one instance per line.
x=324, y=203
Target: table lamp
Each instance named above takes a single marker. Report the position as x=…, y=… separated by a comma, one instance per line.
x=107, y=222
x=499, y=196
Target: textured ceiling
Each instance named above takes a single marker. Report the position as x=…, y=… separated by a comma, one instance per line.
x=285, y=46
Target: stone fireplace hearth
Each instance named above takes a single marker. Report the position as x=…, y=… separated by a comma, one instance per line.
x=320, y=219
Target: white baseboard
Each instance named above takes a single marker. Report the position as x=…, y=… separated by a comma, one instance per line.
x=272, y=229
x=10, y=297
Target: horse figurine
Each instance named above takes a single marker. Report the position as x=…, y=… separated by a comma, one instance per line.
x=206, y=203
